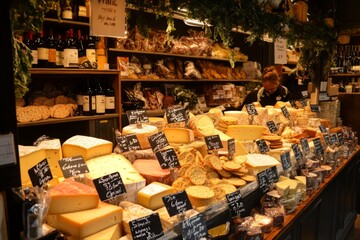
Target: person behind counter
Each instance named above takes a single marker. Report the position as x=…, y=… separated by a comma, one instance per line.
x=271, y=90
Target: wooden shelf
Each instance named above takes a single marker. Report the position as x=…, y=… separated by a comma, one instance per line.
x=68, y=119
x=345, y=75
x=66, y=22
x=191, y=80
x=72, y=71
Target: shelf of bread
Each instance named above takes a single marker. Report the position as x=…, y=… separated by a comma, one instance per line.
x=206, y=176
x=72, y=71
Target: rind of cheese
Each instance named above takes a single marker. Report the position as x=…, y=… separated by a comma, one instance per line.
x=142, y=132
x=151, y=195
x=110, y=233
x=29, y=157
x=85, y=223
x=245, y=132
x=87, y=147
x=132, y=211
x=168, y=222
x=179, y=135
x=71, y=196
x=260, y=162
x=241, y=116
x=53, y=155
x=202, y=125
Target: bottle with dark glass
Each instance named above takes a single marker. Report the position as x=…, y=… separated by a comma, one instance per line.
x=67, y=11
x=109, y=98
x=82, y=11
x=100, y=98
x=88, y=100
x=43, y=51
x=90, y=50
x=59, y=52
x=80, y=43
x=71, y=52
x=79, y=96
x=32, y=45
x=51, y=44
x=54, y=9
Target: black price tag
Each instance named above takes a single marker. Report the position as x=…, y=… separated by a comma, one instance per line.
x=235, y=203
x=194, y=228
x=297, y=152
x=109, y=186
x=327, y=139
x=303, y=103
x=305, y=145
x=262, y=146
x=319, y=151
x=272, y=126
x=137, y=116
x=272, y=174
x=340, y=138
x=285, y=112
x=158, y=141
x=231, y=146
x=293, y=104
x=176, y=114
x=146, y=228
x=213, y=142
x=322, y=129
x=133, y=142
x=285, y=160
x=315, y=108
x=263, y=182
x=250, y=108
x=73, y=166
x=333, y=138
x=177, y=203
x=122, y=143
x=40, y=174
x=167, y=158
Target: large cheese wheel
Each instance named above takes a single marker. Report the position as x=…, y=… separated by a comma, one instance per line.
x=202, y=125
x=142, y=132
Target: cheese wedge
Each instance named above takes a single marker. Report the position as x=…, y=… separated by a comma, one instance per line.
x=142, y=132
x=53, y=154
x=260, y=162
x=245, y=132
x=239, y=146
x=29, y=157
x=132, y=211
x=87, y=147
x=179, y=135
x=151, y=195
x=110, y=233
x=202, y=125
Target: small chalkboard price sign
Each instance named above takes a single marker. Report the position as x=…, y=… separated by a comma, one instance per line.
x=146, y=228
x=303, y=102
x=73, y=166
x=133, y=142
x=40, y=174
x=194, y=228
x=315, y=108
x=322, y=129
x=293, y=104
x=109, y=186
x=327, y=139
x=213, y=142
x=123, y=143
x=235, y=203
x=272, y=174
x=319, y=151
x=231, y=146
x=285, y=112
x=167, y=158
x=333, y=138
x=340, y=137
x=285, y=160
x=250, y=108
x=305, y=145
x=137, y=116
x=177, y=203
x=272, y=126
x=297, y=152
x=263, y=182
x=175, y=114
x=262, y=146
x=158, y=141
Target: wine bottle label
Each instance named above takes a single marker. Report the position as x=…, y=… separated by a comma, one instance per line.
x=82, y=11
x=100, y=103
x=34, y=54
x=86, y=103
x=110, y=102
x=93, y=103
x=91, y=55
x=71, y=57
x=52, y=55
x=67, y=14
x=59, y=58
x=43, y=54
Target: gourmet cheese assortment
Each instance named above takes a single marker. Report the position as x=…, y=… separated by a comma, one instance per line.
x=299, y=157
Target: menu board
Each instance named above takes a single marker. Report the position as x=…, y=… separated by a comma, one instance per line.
x=73, y=166
x=263, y=147
x=315, y=108
x=213, y=142
x=158, y=141
x=285, y=112
x=250, y=108
x=137, y=116
x=322, y=129
x=285, y=161
x=167, y=158
x=146, y=228
x=319, y=151
x=109, y=186
x=333, y=138
x=176, y=114
x=297, y=152
x=263, y=182
x=40, y=174
x=122, y=143
x=235, y=203
x=231, y=146
x=177, y=203
x=305, y=145
x=272, y=126
x=194, y=228
x=272, y=174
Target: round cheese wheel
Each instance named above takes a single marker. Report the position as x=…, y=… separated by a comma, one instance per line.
x=142, y=132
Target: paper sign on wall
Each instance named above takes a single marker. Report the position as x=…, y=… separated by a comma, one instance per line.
x=280, y=51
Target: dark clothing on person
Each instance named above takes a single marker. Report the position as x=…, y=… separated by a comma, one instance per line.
x=265, y=98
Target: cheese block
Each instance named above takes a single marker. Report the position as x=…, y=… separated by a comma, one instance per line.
x=142, y=132
x=71, y=196
x=29, y=157
x=168, y=222
x=245, y=132
x=110, y=233
x=132, y=211
x=291, y=183
x=241, y=116
x=151, y=170
x=179, y=135
x=282, y=188
x=53, y=155
x=151, y=195
x=111, y=163
x=85, y=223
x=202, y=125
x=239, y=146
x=157, y=122
x=260, y=162
x=87, y=147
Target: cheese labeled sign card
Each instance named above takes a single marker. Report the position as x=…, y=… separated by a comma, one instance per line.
x=315, y=108
x=137, y=116
x=40, y=174
x=213, y=142
x=194, y=228
x=177, y=203
x=285, y=112
x=333, y=138
x=293, y=104
x=327, y=139
x=263, y=147
x=167, y=158
x=109, y=186
x=73, y=166
x=231, y=146
x=303, y=102
x=122, y=143
x=272, y=126
x=297, y=152
x=319, y=151
x=322, y=129
x=133, y=142
x=158, y=141
x=235, y=203
x=250, y=108
x=305, y=145
x=340, y=138
x=285, y=161
x=146, y=228
x=175, y=114
x=263, y=182
x=272, y=174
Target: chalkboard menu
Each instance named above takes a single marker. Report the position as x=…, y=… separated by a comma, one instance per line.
x=327, y=139
x=250, y=108
x=315, y=108
x=322, y=129
x=231, y=146
x=158, y=141
x=137, y=116
x=176, y=114
x=285, y=112
x=194, y=228
x=167, y=158
x=293, y=104
x=213, y=142
x=177, y=203
x=305, y=145
x=272, y=126
x=333, y=138
x=146, y=228
x=133, y=142
x=262, y=146
x=285, y=161
x=122, y=143
x=303, y=103
x=319, y=151
x=109, y=186
x=297, y=152
x=40, y=174
x=340, y=138
x=73, y=166
x=235, y=203
x=263, y=182
x=272, y=174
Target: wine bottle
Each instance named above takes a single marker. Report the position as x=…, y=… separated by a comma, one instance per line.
x=90, y=50
x=59, y=52
x=43, y=51
x=67, y=11
x=51, y=43
x=109, y=98
x=82, y=11
x=79, y=96
x=80, y=43
x=100, y=98
x=71, y=52
x=88, y=100
x=32, y=45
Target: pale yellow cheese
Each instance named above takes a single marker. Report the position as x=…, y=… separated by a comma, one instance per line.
x=151, y=195
x=85, y=223
x=142, y=132
x=241, y=116
x=179, y=135
x=282, y=188
x=245, y=132
x=202, y=125
x=87, y=147
x=53, y=154
x=132, y=211
x=239, y=146
x=110, y=233
x=293, y=184
x=29, y=157
x=260, y=162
